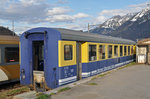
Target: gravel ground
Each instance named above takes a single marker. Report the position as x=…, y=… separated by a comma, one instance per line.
x=132, y=82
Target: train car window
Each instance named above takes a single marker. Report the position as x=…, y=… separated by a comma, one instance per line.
x=125, y=50
x=92, y=52
x=109, y=51
x=68, y=52
x=0, y=55
x=102, y=52
x=11, y=54
x=128, y=50
x=115, y=51
x=121, y=52
x=131, y=50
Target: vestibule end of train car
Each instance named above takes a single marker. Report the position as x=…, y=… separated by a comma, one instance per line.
x=39, y=58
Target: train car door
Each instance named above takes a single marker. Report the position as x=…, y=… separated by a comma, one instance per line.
x=79, y=64
x=38, y=55
x=38, y=65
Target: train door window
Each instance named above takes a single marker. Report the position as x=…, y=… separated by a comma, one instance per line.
x=125, y=50
x=92, y=52
x=121, y=51
x=102, y=52
x=11, y=54
x=128, y=50
x=115, y=51
x=109, y=51
x=38, y=55
x=67, y=52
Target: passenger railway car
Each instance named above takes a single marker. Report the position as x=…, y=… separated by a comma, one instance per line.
x=52, y=57
x=9, y=59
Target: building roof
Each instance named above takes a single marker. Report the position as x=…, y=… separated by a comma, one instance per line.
x=67, y=34
x=144, y=42
x=6, y=31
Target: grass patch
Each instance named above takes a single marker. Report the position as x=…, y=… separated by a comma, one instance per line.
x=10, y=93
x=101, y=75
x=104, y=74
x=64, y=89
x=92, y=83
x=43, y=96
x=52, y=93
x=93, y=78
x=127, y=65
x=17, y=91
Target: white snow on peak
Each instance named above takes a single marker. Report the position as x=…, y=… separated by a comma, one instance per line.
x=142, y=13
x=116, y=21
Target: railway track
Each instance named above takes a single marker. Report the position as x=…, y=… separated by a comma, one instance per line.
x=10, y=86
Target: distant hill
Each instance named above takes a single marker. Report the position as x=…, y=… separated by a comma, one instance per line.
x=131, y=26
x=6, y=31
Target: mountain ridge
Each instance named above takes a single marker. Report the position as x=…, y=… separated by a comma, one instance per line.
x=131, y=26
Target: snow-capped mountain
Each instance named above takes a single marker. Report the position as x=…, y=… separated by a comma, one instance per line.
x=112, y=23
x=142, y=13
x=116, y=21
x=131, y=26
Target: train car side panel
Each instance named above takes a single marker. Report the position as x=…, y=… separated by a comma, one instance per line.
x=67, y=62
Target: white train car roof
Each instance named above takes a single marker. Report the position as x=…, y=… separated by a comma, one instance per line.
x=67, y=34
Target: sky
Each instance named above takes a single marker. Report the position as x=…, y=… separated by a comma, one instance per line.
x=71, y=14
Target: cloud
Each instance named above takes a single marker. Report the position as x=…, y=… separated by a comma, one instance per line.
x=80, y=15
x=100, y=19
x=37, y=11
x=21, y=29
x=74, y=26
x=105, y=14
x=66, y=18
x=19, y=11
x=142, y=5
x=62, y=1
x=58, y=11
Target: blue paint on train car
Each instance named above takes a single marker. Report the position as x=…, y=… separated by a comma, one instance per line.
x=93, y=68
x=67, y=74
x=25, y=64
x=50, y=55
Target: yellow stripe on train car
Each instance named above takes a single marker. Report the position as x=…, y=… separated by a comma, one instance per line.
x=85, y=51
x=61, y=45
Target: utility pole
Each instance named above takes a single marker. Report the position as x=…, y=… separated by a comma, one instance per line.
x=13, y=28
x=88, y=27
x=91, y=26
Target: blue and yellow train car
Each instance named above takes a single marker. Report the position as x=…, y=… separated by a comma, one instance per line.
x=9, y=59
x=52, y=57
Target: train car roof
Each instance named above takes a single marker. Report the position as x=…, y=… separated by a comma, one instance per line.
x=9, y=39
x=67, y=34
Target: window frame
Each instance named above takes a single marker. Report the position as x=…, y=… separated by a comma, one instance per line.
x=89, y=59
x=128, y=50
x=121, y=51
x=61, y=61
x=108, y=51
x=5, y=55
x=116, y=51
x=99, y=52
x=132, y=51
x=125, y=50
x=70, y=53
